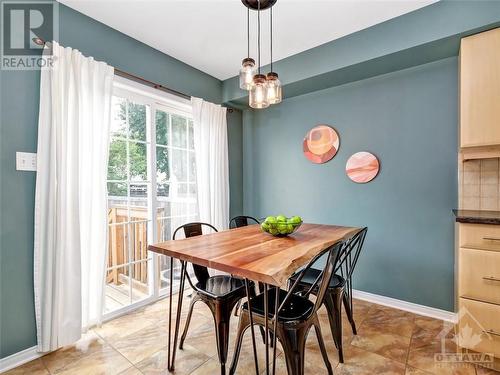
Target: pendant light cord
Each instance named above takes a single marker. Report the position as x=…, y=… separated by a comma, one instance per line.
x=248, y=32
x=271, y=14
x=258, y=32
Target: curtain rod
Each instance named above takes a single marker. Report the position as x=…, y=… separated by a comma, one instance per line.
x=136, y=78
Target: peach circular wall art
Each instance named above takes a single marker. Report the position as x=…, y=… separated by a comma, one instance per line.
x=321, y=144
x=362, y=167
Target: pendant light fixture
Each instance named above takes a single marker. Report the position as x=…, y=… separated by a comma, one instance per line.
x=264, y=90
x=247, y=70
x=274, y=92
x=258, y=92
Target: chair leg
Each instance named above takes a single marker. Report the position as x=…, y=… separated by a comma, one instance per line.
x=195, y=298
x=222, y=314
x=333, y=303
x=293, y=342
x=348, y=310
x=322, y=347
x=243, y=324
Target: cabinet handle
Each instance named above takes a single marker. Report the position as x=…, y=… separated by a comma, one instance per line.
x=491, y=332
x=491, y=238
x=491, y=278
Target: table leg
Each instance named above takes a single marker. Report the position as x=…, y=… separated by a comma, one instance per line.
x=251, y=327
x=276, y=305
x=171, y=363
x=266, y=327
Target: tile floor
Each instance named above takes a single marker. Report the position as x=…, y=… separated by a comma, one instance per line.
x=389, y=342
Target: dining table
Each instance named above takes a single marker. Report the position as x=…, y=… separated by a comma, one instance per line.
x=253, y=255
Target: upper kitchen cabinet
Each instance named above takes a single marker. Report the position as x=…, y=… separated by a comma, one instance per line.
x=480, y=90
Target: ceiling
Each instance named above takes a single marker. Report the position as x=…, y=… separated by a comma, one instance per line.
x=210, y=35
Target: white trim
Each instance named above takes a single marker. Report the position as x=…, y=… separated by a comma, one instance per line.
x=406, y=306
x=169, y=100
x=19, y=358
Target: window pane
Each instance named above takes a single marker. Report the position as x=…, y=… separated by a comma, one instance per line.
x=162, y=171
x=138, y=161
x=179, y=131
x=117, y=289
x=162, y=128
x=139, y=240
x=118, y=238
x=137, y=121
x=192, y=167
x=118, y=117
x=117, y=191
x=117, y=164
x=191, y=135
x=179, y=165
x=192, y=190
x=162, y=191
x=140, y=288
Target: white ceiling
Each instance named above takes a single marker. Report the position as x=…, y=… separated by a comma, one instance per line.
x=211, y=34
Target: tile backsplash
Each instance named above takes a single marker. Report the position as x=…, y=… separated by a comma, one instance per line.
x=480, y=184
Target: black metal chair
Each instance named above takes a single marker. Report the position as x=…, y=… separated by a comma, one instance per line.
x=238, y=222
x=220, y=293
x=242, y=221
x=296, y=315
x=339, y=289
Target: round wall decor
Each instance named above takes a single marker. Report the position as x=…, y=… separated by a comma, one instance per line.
x=362, y=167
x=321, y=144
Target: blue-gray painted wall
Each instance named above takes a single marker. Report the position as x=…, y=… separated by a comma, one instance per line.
x=409, y=120
x=19, y=115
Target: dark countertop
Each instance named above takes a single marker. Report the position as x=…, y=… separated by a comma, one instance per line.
x=477, y=217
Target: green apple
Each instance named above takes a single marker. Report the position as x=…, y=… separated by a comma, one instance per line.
x=283, y=228
x=295, y=220
x=265, y=227
x=270, y=220
x=289, y=228
x=281, y=219
x=273, y=231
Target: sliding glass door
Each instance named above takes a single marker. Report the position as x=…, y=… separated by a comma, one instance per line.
x=151, y=191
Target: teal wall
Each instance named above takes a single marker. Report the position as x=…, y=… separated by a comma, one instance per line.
x=409, y=120
x=19, y=115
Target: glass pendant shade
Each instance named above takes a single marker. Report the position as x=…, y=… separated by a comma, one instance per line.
x=247, y=72
x=258, y=92
x=274, y=92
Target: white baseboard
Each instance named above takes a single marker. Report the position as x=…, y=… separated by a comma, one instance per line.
x=406, y=306
x=19, y=358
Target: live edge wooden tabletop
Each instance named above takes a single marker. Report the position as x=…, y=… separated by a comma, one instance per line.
x=248, y=252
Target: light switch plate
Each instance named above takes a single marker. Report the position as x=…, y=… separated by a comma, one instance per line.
x=25, y=161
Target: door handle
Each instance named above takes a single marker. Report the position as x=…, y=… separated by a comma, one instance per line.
x=491, y=278
x=491, y=332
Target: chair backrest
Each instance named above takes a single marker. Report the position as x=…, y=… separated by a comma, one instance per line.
x=350, y=255
x=242, y=221
x=192, y=230
x=322, y=282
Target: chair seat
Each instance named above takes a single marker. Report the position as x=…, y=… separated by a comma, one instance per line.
x=312, y=274
x=222, y=286
x=296, y=308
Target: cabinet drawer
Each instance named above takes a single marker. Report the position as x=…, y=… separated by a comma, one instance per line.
x=479, y=275
x=479, y=326
x=479, y=236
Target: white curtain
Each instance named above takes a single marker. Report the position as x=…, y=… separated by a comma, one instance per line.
x=212, y=166
x=70, y=201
